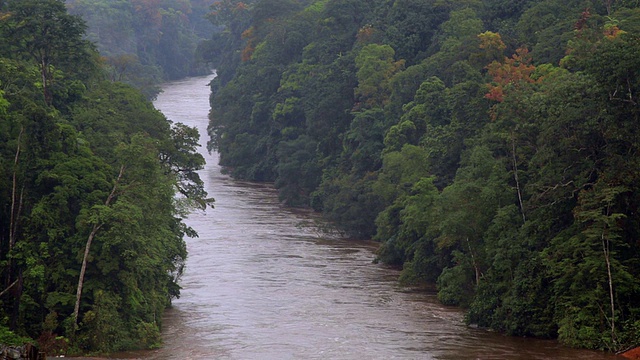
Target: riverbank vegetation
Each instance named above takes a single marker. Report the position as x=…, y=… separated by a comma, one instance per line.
x=91, y=231
x=490, y=146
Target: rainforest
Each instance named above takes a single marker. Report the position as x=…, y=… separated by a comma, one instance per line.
x=490, y=147
x=94, y=185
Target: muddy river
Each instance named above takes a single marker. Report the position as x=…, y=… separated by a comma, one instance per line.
x=260, y=283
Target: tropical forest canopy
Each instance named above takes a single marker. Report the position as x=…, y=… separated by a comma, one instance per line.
x=91, y=231
x=491, y=147
x=145, y=42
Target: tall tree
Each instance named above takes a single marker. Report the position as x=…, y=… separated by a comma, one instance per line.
x=48, y=35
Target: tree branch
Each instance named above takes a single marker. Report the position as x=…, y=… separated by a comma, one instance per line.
x=9, y=287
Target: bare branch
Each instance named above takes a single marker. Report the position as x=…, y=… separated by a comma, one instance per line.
x=9, y=287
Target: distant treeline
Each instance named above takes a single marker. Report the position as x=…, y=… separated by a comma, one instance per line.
x=91, y=230
x=492, y=147
x=145, y=42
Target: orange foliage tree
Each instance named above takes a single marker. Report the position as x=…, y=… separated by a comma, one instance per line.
x=512, y=72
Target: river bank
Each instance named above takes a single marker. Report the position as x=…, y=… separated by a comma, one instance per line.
x=259, y=285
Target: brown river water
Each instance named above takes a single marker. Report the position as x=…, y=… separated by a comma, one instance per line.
x=258, y=285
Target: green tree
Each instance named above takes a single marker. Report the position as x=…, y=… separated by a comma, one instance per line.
x=376, y=66
x=50, y=37
x=469, y=205
x=298, y=170
x=403, y=182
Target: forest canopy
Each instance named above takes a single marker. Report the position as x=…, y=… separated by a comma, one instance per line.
x=491, y=147
x=91, y=230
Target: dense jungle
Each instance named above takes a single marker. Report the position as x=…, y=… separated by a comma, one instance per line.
x=95, y=184
x=490, y=147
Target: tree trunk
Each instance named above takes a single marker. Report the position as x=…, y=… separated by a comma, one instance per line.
x=607, y=257
x=15, y=212
x=17, y=295
x=16, y=208
x=475, y=264
x=8, y=288
x=87, y=248
x=85, y=258
x=48, y=98
x=515, y=176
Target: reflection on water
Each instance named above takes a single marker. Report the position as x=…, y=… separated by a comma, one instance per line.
x=258, y=286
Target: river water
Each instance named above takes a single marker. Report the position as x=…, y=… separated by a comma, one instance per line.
x=258, y=285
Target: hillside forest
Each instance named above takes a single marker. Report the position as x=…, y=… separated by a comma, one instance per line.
x=146, y=42
x=491, y=147
x=94, y=185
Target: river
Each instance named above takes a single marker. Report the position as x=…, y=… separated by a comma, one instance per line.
x=260, y=286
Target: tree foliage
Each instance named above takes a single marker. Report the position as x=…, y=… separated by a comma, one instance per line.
x=491, y=147
x=91, y=231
